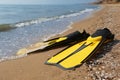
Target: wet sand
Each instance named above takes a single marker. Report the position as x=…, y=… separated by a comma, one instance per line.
x=104, y=66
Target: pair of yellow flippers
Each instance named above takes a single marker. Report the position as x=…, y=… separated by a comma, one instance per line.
x=75, y=55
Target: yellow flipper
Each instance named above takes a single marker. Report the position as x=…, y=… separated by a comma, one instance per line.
x=77, y=58
x=40, y=45
x=56, y=42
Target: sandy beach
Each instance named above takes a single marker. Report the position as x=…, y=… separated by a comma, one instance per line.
x=104, y=66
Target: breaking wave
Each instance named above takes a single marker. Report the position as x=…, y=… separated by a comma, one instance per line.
x=41, y=20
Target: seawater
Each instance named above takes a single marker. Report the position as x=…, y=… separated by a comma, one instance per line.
x=34, y=23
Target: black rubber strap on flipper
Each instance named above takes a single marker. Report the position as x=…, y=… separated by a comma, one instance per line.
x=69, y=36
x=71, y=39
x=105, y=33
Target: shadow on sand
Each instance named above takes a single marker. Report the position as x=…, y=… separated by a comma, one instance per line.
x=103, y=51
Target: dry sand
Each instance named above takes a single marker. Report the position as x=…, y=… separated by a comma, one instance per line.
x=104, y=66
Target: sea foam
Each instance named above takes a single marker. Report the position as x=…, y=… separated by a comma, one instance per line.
x=41, y=20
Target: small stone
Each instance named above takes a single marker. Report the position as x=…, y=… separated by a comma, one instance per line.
x=97, y=72
x=95, y=69
x=103, y=67
x=100, y=69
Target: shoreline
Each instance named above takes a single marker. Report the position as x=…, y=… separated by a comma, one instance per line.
x=33, y=67
x=40, y=33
